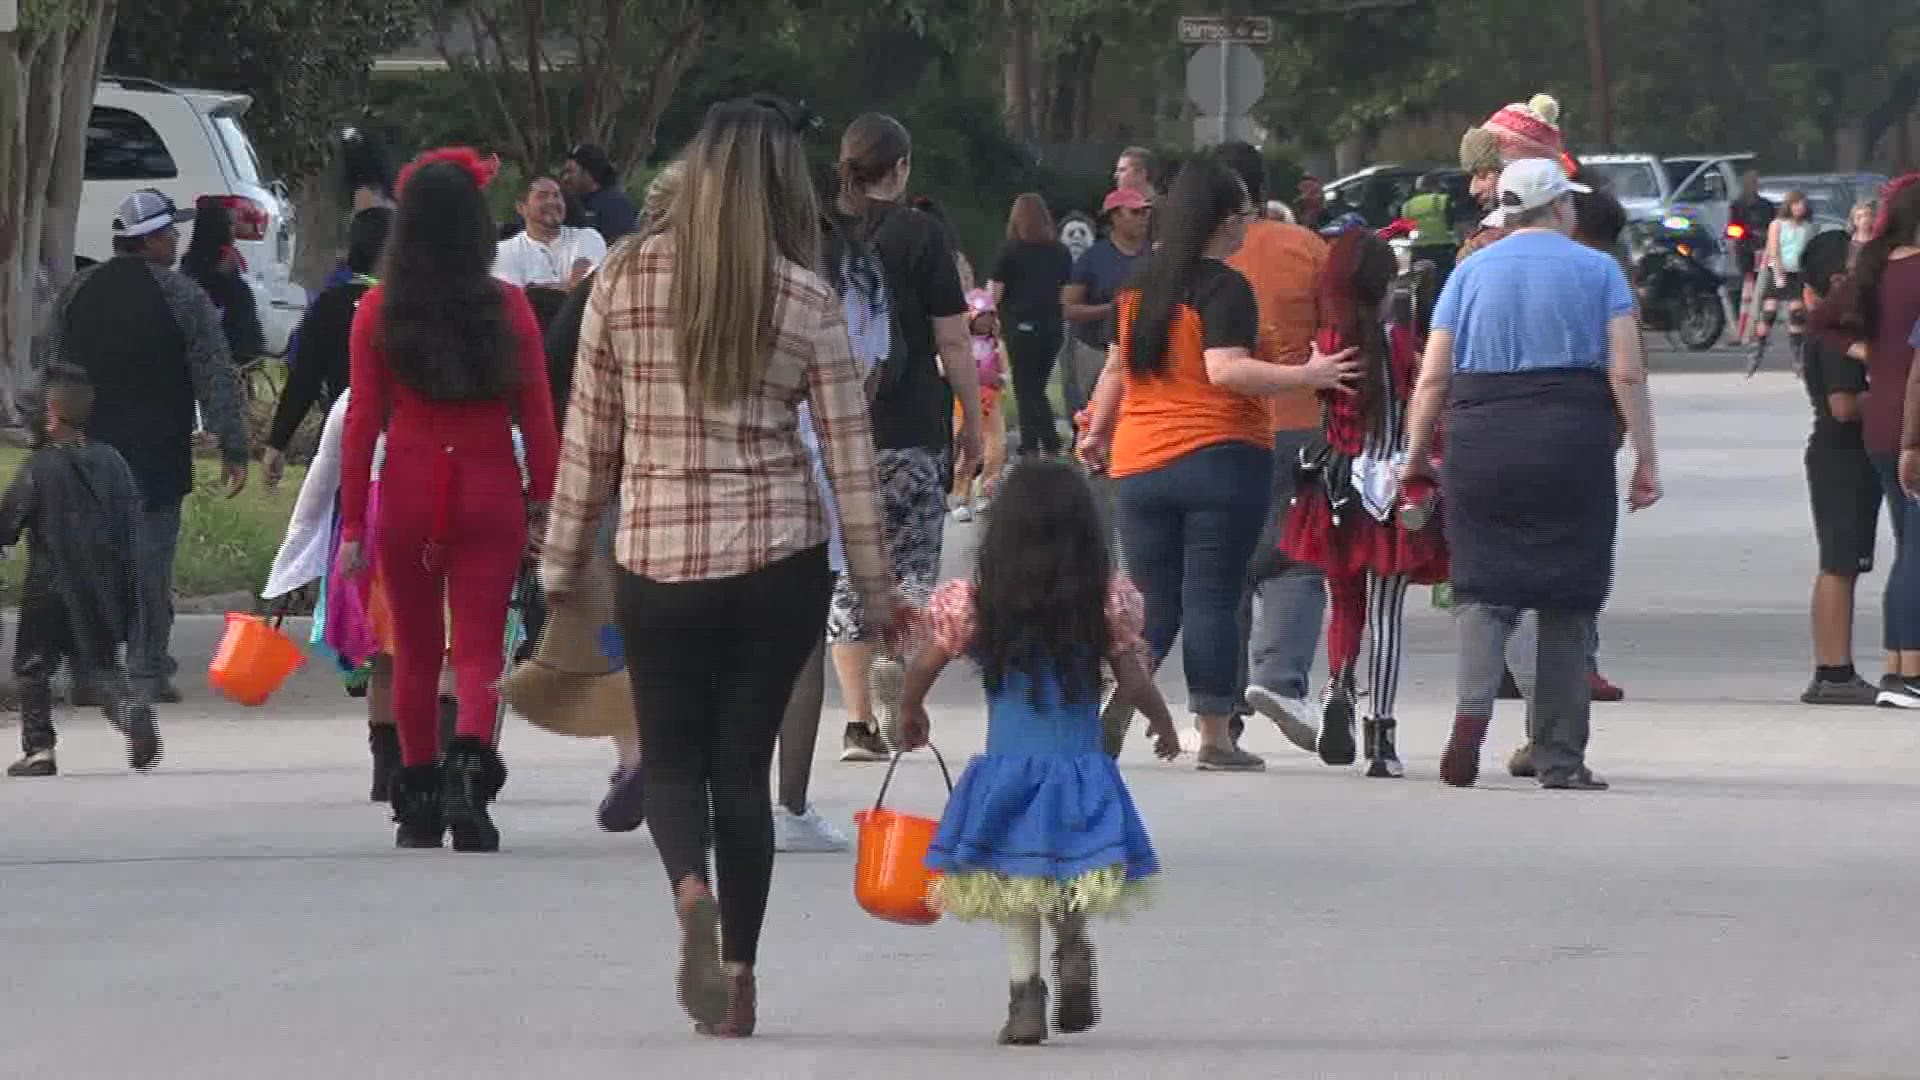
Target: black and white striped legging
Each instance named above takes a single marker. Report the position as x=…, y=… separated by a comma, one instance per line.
x=1377, y=604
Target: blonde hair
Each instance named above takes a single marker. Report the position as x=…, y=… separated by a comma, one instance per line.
x=745, y=200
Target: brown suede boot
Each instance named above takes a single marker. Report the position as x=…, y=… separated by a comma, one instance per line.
x=1026, y=1014
x=1460, y=764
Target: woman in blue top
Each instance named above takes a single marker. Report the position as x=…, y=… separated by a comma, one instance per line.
x=1787, y=241
x=1041, y=827
x=1535, y=351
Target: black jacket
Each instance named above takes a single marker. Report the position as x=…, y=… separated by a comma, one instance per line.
x=77, y=507
x=320, y=376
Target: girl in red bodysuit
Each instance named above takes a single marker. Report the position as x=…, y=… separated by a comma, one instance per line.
x=448, y=361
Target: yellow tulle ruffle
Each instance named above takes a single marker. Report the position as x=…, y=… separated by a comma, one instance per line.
x=983, y=894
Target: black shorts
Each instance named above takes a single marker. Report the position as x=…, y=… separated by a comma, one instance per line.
x=1846, y=496
x=1789, y=288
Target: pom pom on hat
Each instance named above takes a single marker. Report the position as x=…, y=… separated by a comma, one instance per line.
x=1529, y=130
x=1547, y=107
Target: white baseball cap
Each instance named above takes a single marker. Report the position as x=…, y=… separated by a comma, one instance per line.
x=147, y=211
x=1529, y=184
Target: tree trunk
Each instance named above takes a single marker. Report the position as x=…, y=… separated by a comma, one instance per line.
x=1018, y=88
x=1351, y=153
x=47, y=76
x=1849, y=146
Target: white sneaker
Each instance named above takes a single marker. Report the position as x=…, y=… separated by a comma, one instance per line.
x=808, y=832
x=1290, y=715
x=963, y=513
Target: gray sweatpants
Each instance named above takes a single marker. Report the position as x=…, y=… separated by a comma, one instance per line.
x=1559, y=703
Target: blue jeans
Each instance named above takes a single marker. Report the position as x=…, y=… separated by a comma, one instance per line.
x=1190, y=529
x=149, y=656
x=1286, y=601
x=1901, y=607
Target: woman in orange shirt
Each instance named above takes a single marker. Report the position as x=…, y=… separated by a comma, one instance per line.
x=1179, y=421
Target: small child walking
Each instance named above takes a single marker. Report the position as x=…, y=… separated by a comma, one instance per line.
x=1041, y=827
x=972, y=495
x=76, y=502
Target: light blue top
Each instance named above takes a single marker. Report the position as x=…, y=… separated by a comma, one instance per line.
x=1533, y=301
x=1793, y=243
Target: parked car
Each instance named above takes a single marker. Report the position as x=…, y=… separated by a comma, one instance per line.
x=1377, y=192
x=190, y=143
x=1699, y=187
x=1832, y=194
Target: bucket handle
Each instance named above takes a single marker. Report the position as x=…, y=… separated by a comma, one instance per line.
x=895, y=763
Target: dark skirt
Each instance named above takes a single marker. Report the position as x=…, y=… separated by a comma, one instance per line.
x=1530, y=491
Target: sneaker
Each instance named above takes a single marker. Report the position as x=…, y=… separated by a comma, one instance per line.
x=1291, y=715
x=1854, y=691
x=1228, y=759
x=38, y=763
x=862, y=743
x=1897, y=693
x=963, y=513
x=1578, y=780
x=1602, y=690
x=886, y=686
x=165, y=693
x=808, y=832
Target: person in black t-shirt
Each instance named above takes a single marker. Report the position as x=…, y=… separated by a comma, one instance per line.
x=912, y=410
x=1754, y=214
x=1844, y=491
x=1027, y=279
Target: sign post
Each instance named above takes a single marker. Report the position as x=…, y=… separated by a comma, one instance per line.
x=1225, y=77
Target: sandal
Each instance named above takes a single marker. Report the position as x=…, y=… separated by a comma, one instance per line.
x=701, y=985
x=742, y=995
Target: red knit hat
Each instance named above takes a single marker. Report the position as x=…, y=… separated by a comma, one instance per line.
x=1516, y=132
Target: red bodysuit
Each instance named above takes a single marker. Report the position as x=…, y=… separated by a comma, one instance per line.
x=453, y=518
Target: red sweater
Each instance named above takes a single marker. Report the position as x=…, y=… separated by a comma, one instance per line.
x=419, y=427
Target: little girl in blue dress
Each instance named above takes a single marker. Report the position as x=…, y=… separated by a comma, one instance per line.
x=1040, y=827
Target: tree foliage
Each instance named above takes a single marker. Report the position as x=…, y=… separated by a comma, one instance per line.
x=306, y=64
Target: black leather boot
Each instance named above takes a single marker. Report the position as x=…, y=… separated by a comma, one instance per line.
x=1383, y=760
x=416, y=807
x=1336, y=721
x=383, y=742
x=471, y=774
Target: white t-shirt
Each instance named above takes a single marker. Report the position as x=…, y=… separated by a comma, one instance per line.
x=524, y=261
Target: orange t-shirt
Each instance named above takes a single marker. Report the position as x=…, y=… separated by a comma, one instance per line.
x=1282, y=263
x=1170, y=414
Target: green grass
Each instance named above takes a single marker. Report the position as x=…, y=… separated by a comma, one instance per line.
x=226, y=545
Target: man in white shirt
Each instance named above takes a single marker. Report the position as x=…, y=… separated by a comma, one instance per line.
x=547, y=254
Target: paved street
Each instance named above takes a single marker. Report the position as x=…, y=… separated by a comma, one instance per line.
x=1741, y=904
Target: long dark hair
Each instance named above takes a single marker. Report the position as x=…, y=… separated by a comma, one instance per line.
x=212, y=236
x=1041, y=582
x=1899, y=226
x=1204, y=196
x=443, y=319
x=1359, y=272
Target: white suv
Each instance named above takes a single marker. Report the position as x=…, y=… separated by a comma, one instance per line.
x=189, y=144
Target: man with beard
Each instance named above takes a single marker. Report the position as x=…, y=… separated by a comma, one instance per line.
x=548, y=257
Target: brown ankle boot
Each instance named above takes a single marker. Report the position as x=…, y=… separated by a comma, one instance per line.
x=1026, y=1014
x=1460, y=764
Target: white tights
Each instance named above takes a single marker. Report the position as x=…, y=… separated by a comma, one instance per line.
x=1023, y=942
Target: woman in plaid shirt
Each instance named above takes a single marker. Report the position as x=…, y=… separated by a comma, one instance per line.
x=698, y=348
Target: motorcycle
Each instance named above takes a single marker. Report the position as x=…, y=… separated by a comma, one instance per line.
x=1679, y=293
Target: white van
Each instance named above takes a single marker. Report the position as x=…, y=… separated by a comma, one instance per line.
x=189, y=144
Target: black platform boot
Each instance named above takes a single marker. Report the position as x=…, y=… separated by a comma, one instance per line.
x=36, y=730
x=1382, y=759
x=383, y=742
x=1336, y=721
x=416, y=807
x=471, y=774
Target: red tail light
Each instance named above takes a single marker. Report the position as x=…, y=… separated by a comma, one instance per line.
x=250, y=219
x=1736, y=231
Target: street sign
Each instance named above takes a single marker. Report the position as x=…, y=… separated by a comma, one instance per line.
x=1226, y=29
x=1226, y=80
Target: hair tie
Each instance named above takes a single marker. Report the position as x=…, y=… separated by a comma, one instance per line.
x=481, y=169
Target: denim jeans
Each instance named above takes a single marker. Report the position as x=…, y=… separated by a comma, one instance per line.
x=1190, y=528
x=1901, y=607
x=1286, y=602
x=149, y=655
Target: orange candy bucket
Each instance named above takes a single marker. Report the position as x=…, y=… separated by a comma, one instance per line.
x=253, y=659
x=890, y=875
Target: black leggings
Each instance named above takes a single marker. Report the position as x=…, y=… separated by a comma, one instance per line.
x=1032, y=353
x=712, y=664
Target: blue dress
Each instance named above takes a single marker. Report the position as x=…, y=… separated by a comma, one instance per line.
x=1041, y=822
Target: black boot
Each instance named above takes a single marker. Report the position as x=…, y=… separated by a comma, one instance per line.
x=1336, y=721
x=416, y=807
x=383, y=741
x=1026, y=1014
x=1382, y=759
x=36, y=730
x=471, y=775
